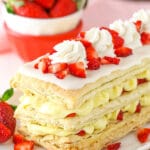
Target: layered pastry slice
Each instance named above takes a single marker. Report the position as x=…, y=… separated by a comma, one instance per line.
x=90, y=91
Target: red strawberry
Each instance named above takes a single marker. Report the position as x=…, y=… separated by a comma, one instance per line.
x=142, y=134
x=18, y=138
x=81, y=133
x=63, y=8
x=72, y=115
x=77, y=69
x=145, y=38
x=141, y=81
x=123, y=52
x=58, y=67
x=30, y=9
x=94, y=64
x=138, y=108
x=114, y=146
x=43, y=66
x=62, y=74
x=45, y=3
x=5, y=133
x=85, y=42
x=110, y=60
x=25, y=145
x=120, y=116
x=82, y=34
x=116, y=39
x=6, y=116
x=138, y=25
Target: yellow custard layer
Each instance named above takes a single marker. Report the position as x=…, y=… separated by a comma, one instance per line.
x=46, y=106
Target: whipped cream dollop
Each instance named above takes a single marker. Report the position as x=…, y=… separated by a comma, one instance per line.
x=101, y=40
x=144, y=16
x=69, y=52
x=127, y=30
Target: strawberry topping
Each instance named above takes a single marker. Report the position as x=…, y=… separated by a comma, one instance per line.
x=123, y=51
x=138, y=108
x=45, y=3
x=110, y=60
x=142, y=134
x=141, y=81
x=18, y=138
x=62, y=74
x=77, y=69
x=114, y=146
x=26, y=145
x=138, y=25
x=145, y=38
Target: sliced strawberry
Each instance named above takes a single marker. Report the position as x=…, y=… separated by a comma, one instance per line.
x=18, y=138
x=142, y=134
x=120, y=116
x=25, y=145
x=114, y=146
x=81, y=133
x=82, y=34
x=36, y=65
x=42, y=65
x=91, y=53
x=117, y=40
x=62, y=74
x=141, y=81
x=72, y=115
x=58, y=67
x=94, y=64
x=138, y=25
x=138, y=108
x=145, y=38
x=77, y=69
x=110, y=60
x=5, y=133
x=123, y=52
x=84, y=42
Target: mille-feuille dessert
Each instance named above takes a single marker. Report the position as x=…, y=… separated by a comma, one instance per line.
x=90, y=91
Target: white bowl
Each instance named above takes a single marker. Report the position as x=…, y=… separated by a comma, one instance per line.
x=48, y=26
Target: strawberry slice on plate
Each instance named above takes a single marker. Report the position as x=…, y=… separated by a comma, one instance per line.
x=77, y=69
x=62, y=74
x=123, y=51
x=138, y=25
x=110, y=60
x=142, y=134
x=25, y=145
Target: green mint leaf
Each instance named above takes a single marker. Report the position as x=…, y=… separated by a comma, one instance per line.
x=7, y=94
x=9, y=8
x=14, y=107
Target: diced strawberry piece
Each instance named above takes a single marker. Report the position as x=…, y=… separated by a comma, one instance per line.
x=43, y=66
x=58, y=67
x=142, y=134
x=110, y=60
x=114, y=146
x=72, y=115
x=82, y=34
x=141, y=81
x=5, y=133
x=138, y=25
x=117, y=40
x=18, y=138
x=91, y=53
x=138, y=108
x=81, y=133
x=120, y=116
x=46, y=60
x=94, y=64
x=60, y=9
x=123, y=52
x=77, y=69
x=62, y=74
x=45, y=3
x=36, y=65
x=85, y=42
x=145, y=38
x=25, y=145
x=30, y=9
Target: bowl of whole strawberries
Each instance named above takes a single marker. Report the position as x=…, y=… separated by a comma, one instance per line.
x=33, y=27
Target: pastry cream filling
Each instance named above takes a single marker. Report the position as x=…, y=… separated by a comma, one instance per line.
x=49, y=107
x=99, y=125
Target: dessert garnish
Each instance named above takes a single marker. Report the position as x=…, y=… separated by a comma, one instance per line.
x=143, y=134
